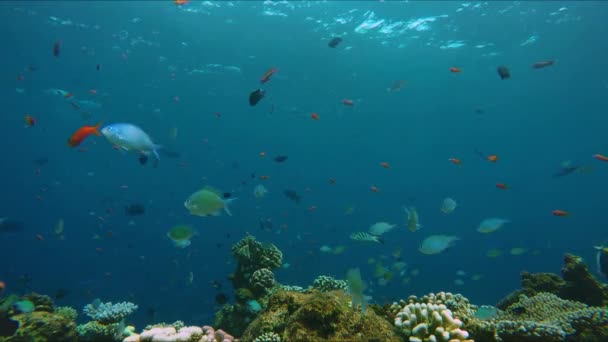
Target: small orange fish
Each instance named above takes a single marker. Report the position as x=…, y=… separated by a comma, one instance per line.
x=314, y=116
x=492, y=158
x=558, y=212
x=348, y=102
x=455, y=70
x=82, y=133
x=455, y=161
x=385, y=165
x=68, y=95
x=2, y=286
x=264, y=177
x=29, y=121
x=266, y=77
x=502, y=186
x=180, y=2
x=600, y=157
x=374, y=188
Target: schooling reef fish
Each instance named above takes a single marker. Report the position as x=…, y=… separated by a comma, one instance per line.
x=334, y=42
x=503, y=72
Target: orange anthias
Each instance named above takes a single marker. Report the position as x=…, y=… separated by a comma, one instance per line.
x=600, y=157
x=455, y=161
x=502, y=186
x=314, y=116
x=385, y=165
x=455, y=70
x=82, y=133
x=493, y=158
x=559, y=212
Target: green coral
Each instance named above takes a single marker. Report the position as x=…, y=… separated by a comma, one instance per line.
x=67, y=312
x=262, y=281
x=177, y=325
x=248, y=251
x=318, y=316
x=327, y=283
x=43, y=326
x=95, y=331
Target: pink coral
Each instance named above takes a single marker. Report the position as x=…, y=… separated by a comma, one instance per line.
x=217, y=336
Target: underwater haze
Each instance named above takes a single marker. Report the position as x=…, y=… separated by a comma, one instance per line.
x=407, y=109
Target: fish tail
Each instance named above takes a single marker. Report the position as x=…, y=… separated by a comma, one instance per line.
x=227, y=204
x=155, y=151
x=96, y=129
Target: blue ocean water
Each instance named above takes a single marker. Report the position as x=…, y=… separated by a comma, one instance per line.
x=169, y=69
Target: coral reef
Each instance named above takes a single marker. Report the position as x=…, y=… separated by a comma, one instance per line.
x=576, y=283
x=252, y=280
x=543, y=317
x=261, y=281
x=67, y=312
x=430, y=319
x=318, y=316
x=182, y=334
x=268, y=337
x=327, y=283
x=107, y=313
x=39, y=322
x=43, y=326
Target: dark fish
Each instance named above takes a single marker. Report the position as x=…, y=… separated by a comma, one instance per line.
x=221, y=299
x=266, y=224
x=542, y=64
x=292, y=195
x=143, y=159
x=566, y=170
x=135, y=209
x=57, y=48
x=479, y=111
x=7, y=226
x=503, y=72
x=150, y=312
x=256, y=96
x=334, y=42
x=98, y=66
x=227, y=194
x=61, y=293
x=280, y=159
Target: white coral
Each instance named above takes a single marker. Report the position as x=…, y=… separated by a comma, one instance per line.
x=430, y=322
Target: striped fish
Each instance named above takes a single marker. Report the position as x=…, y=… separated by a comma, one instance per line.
x=364, y=236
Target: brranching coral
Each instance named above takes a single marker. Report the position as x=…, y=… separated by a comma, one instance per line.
x=183, y=334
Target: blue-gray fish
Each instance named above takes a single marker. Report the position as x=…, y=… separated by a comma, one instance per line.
x=363, y=236
x=130, y=137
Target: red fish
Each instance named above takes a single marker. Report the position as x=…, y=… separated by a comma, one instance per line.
x=455, y=70
x=385, y=165
x=180, y=2
x=558, y=212
x=29, y=121
x=314, y=116
x=600, y=157
x=348, y=102
x=455, y=161
x=502, y=186
x=82, y=133
x=266, y=77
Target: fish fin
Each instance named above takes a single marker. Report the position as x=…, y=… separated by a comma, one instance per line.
x=226, y=204
x=96, y=129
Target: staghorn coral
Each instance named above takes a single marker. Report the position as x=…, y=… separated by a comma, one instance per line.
x=95, y=331
x=107, y=313
x=327, y=283
x=262, y=281
x=429, y=322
